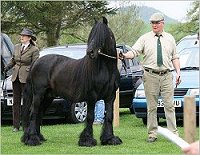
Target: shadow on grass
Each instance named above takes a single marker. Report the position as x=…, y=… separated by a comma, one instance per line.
x=124, y=111
x=162, y=122
x=5, y=123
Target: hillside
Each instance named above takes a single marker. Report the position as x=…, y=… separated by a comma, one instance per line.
x=145, y=13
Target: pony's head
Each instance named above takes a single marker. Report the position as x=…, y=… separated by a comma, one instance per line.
x=101, y=40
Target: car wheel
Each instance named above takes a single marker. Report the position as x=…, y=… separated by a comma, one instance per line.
x=77, y=113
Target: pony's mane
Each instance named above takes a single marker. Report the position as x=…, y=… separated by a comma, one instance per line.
x=101, y=36
x=97, y=35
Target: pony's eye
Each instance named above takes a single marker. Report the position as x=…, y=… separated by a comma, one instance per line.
x=99, y=51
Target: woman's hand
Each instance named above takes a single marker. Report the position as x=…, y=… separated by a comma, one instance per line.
x=6, y=69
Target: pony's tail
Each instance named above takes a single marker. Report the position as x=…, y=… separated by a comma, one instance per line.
x=27, y=102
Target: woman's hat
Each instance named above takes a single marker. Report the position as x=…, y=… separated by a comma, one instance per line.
x=28, y=32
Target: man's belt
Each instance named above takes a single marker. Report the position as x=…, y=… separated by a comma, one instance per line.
x=23, y=64
x=157, y=72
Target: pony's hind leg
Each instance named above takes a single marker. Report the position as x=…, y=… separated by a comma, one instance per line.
x=38, y=124
x=31, y=132
x=107, y=136
x=86, y=137
x=44, y=105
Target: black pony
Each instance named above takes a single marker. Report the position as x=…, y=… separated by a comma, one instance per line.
x=89, y=79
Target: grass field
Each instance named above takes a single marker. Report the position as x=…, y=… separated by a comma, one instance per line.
x=63, y=139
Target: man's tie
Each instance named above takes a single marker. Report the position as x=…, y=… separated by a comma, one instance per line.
x=159, y=52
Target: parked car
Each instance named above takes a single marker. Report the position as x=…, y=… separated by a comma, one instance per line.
x=130, y=74
x=6, y=52
x=187, y=42
x=189, y=65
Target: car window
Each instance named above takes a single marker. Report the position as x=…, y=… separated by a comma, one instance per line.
x=187, y=43
x=6, y=48
x=72, y=52
x=120, y=47
x=189, y=57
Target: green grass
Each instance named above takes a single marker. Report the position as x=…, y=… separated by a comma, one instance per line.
x=63, y=139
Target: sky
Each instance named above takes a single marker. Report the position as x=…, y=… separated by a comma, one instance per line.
x=174, y=9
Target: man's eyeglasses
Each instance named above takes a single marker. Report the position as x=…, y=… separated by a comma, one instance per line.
x=156, y=22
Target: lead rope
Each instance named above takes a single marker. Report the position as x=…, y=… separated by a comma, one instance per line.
x=112, y=57
x=123, y=61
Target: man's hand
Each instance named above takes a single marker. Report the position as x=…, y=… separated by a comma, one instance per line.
x=127, y=55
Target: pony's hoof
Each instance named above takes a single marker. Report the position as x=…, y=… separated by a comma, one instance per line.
x=112, y=141
x=88, y=143
x=33, y=141
x=23, y=138
x=42, y=138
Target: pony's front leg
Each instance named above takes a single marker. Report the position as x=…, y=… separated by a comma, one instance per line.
x=86, y=137
x=107, y=136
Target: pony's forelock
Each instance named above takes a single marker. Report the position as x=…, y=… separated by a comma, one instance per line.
x=105, y=21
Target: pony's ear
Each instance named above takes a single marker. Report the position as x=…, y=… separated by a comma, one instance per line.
x=105, y=21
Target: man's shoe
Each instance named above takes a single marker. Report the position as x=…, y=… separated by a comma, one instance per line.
x=151, y=139
x=15, y=130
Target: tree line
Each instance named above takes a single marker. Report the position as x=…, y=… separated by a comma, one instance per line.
x=59, y=22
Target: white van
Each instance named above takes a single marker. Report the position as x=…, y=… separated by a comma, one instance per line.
x=187, y=42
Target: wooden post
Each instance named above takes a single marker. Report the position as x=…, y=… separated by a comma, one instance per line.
x=116, y=110
x=116, y=102
x=189, y=118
